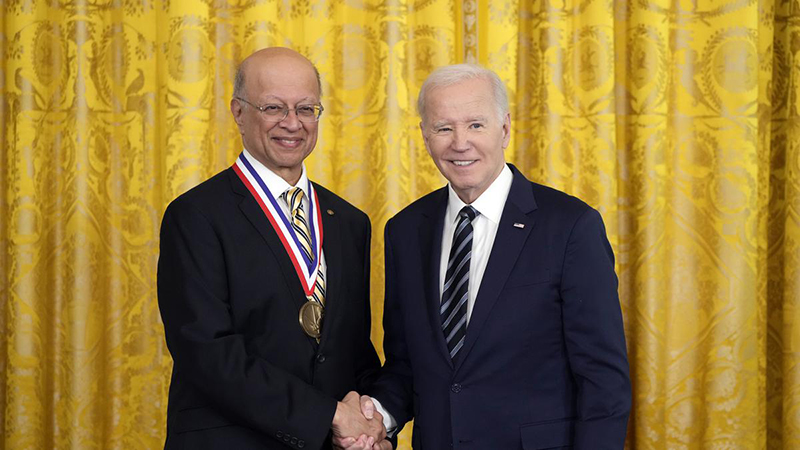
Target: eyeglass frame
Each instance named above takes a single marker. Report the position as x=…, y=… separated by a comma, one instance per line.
x=286, y=109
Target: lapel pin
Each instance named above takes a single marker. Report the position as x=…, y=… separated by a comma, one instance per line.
x=519, y=225
x=330, y=212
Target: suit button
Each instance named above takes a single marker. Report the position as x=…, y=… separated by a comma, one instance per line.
x=294, y=441
x=320, y=358
x=279, y=434
x=301, y=443
x=285, y=438
x=455, y=388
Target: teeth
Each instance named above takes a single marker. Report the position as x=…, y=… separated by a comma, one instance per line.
x=463, y=163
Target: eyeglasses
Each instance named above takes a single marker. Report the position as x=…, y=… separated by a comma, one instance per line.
x=274, y=112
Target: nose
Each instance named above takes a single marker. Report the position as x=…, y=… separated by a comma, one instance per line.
x=291, y=122
x=460, y=140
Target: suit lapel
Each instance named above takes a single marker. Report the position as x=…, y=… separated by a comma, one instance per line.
x=331, y=246
x=255, y=215
x=508, y=243
x=430, y=244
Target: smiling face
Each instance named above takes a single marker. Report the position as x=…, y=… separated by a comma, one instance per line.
x=282, y=77
x=464, y=135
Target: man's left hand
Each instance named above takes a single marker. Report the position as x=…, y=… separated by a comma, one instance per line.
x=362, y=443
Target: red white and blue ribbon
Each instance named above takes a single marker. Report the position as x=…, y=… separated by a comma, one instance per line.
x=306, y=269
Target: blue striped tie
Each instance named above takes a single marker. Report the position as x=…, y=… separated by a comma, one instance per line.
x=455, y=291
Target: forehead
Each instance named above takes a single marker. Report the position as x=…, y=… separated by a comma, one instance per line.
x=286, y=79
x=465, y=99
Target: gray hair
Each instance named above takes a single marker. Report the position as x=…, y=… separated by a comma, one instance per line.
x=238, y=81
x=450, y=75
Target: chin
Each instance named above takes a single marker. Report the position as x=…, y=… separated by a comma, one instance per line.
x=462, y=182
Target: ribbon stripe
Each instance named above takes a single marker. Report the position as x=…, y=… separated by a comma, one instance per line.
x=307, y=273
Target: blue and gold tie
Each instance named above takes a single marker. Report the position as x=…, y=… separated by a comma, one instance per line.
x=294, y=199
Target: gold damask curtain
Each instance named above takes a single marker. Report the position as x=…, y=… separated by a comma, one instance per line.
x=677, y=119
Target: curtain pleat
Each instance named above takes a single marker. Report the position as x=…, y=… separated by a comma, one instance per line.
x=678, y=121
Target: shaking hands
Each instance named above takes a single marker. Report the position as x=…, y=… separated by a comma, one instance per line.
x=358, y=426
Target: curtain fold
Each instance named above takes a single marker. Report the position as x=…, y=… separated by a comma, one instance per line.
x=677, y=120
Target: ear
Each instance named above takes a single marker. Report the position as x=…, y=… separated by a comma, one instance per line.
x=237, y=111
x=506, y=129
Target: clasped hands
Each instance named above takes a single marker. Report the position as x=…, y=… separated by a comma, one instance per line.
x=357, y=426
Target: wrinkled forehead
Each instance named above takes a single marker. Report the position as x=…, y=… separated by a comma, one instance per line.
x=285, y=81
x=459, y=103
x=472, y=96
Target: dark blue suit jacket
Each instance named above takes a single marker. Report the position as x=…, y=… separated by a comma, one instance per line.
x=544, y=364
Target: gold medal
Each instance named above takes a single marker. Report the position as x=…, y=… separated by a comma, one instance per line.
x=311, y=318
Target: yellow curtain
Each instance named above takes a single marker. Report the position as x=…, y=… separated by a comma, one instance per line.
x=678, y=120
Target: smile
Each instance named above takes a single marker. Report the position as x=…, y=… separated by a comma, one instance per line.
x=288, y=142
x=464, y=163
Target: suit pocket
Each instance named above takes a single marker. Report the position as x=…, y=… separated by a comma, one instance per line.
x=527, y=278
x=554, y=434
x=199, y=419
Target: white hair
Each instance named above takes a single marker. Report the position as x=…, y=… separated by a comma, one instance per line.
x=449, y=75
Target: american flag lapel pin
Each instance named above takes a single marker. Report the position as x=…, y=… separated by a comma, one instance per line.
x=519, y=225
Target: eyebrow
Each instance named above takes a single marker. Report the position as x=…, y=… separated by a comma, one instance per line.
x=468, y=120
x=271, y=97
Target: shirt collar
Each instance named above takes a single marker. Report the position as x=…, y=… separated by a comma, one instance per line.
x=276, y=185
x=490, y=204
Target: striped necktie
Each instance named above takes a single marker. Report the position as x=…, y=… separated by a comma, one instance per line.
x=294, y=199
x=455, y=292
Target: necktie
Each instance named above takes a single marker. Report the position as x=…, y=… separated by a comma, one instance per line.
x=454, y=296
x=294, y=199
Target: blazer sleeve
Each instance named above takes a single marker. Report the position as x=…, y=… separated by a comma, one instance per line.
x=194, y=304
x=594, y=336
x=394, y=386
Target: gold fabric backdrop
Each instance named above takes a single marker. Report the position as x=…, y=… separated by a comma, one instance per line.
x=678, y=120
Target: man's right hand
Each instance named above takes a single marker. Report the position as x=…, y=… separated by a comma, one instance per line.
x=349, y=421
x=363, y=443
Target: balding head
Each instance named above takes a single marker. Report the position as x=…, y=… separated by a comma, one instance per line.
x=268, y=56
x=269, y=81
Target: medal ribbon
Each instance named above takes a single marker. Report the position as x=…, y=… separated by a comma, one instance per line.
x=305, y=268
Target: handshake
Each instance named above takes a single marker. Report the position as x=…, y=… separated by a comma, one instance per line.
x=357, y=426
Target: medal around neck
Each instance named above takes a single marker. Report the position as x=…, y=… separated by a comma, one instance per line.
x=311, y=318
x=310, y=313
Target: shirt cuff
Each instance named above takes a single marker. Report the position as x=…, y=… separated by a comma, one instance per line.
x=388, y=420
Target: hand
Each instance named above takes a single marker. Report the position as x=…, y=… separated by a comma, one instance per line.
x=382, y=445
x=350, y=443
x=348, y=422
x=363, y=442
x=368, y=409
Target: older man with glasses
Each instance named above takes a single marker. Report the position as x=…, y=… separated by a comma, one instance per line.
x=263, y=284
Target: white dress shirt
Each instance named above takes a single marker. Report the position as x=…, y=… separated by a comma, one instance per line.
x=489, y=206
x=277, y=186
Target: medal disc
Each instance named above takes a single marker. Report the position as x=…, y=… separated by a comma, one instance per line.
x=311, y=318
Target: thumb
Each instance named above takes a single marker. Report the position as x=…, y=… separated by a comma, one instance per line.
x=367, y=406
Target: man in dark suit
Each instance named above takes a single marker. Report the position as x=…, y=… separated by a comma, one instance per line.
x=263, y=284
x=502, y=323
